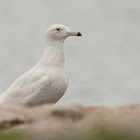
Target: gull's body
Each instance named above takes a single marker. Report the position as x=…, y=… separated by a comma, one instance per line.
x=47, y=81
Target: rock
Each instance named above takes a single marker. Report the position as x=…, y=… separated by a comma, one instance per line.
x=52, y=121
x=13, y=115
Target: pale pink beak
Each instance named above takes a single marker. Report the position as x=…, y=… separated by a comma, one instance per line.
x=74, y=34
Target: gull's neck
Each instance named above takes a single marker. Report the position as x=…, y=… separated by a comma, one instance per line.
x=53, y=55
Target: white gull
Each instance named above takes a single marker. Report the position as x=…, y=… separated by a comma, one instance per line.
x=47, y=81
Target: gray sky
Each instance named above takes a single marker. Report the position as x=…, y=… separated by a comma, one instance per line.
x=103, y=66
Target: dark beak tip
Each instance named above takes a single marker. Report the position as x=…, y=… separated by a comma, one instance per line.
x=79, y=34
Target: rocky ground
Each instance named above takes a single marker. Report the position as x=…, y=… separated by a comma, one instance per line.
x=52, y=122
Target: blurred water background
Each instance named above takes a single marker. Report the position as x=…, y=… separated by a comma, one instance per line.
x=103, y=65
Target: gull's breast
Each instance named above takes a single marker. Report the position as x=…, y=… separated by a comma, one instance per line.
x=58, y=83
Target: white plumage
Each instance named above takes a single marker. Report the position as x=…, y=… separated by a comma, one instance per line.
x=47, y=81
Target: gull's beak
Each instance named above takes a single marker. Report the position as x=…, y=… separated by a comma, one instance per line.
x=74, y=34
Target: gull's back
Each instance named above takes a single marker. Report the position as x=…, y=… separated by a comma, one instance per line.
x=36, y=87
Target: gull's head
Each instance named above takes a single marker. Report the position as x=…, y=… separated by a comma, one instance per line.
x=60, y=32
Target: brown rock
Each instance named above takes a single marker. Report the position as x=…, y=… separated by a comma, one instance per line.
x=51, y=121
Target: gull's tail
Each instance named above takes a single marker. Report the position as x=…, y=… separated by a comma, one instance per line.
x=1, y=98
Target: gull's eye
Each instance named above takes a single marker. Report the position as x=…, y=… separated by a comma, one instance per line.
x=58, y=29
